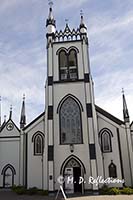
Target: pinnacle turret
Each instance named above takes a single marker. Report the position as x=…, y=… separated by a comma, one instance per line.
x=125, y=109
x=23, y=115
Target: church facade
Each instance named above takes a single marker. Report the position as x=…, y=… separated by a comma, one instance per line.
x=73, y=137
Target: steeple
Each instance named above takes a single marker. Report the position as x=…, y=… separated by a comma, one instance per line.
x=50, y=22
x=82, y=27
x=125, y=109
x=23, y=116
x=0, y=111
x=10, y=114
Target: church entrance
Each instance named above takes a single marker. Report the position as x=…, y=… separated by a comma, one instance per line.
x=77, y=175
x=72, y=173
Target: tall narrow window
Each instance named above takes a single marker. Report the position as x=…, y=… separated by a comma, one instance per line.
x=112, y=170
x=106, y=141
x=38, y=144
x=70, y=122
x=72, y=62
x=68, y=65
x=63, y=65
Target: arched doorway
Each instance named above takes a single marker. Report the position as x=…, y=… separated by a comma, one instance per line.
x=8, y=173
x=72, y=169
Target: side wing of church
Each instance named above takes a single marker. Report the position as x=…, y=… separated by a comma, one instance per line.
x=73, y=137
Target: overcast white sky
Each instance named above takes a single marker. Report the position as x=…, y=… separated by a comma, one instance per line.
x=23, y=51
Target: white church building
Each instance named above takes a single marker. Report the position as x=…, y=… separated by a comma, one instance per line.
x=73, y=137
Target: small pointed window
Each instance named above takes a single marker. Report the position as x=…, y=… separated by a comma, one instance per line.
x=38, y=144
x=112, y=170
x=106, y=141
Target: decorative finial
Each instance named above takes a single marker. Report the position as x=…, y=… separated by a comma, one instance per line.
x=81, y=13
x=83, y=28
x=23, y=97
x=50, y=3
x=11, y=107
x=123, y=91
x=66, y=20
x=4, y=118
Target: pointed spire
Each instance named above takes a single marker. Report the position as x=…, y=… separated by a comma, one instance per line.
x=50, y=20
x=10, y=114
x=23, y=116
x=0, y=111
x=67, y=29
x=82, y=26
x=125, y=109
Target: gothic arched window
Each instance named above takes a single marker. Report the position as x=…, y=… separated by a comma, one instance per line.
x=68, y=65
x=106, y=142
x=38, y=142
x=105, y=137
x=63, y=65
x=112, y=170
x=72, y=63
x=70, y=122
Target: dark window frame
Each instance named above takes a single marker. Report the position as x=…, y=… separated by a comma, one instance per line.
x=68, y=67
x=112, y=174
x=80, y=123
x=101, y=135
x=34, y=138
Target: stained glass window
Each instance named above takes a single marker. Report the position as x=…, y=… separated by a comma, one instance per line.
x=70, y=122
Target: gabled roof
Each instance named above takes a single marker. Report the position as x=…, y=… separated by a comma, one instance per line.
x=5, y=123
x=28, y=125
x=131, y=123
x=109, y=116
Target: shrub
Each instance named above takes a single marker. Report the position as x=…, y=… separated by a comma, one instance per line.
x=104, y=190
x=19, y=189
x=32, y=191
x=43, y=192
x=114, y=191
x=127, y=191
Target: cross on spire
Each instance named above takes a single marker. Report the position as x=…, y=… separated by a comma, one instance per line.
x=122, y=91
x=81, y=12
x=50, y=3
x=66, y=20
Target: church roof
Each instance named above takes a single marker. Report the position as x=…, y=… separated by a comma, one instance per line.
x=32, y=122
x=131, y=123
x=108, y=115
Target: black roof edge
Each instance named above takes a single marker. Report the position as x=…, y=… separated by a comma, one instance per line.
x=131, y=123
x=33, y=121
x=108, y=115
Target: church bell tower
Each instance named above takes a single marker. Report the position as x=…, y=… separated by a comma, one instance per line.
x=70, y=116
